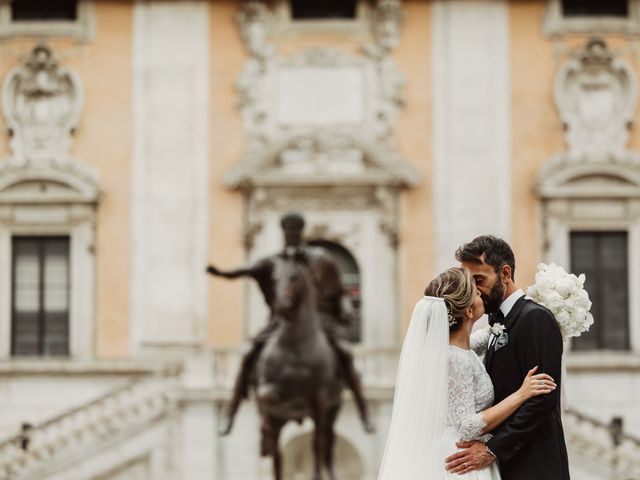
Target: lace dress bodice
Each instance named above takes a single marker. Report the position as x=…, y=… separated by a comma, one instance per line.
x=470, y=392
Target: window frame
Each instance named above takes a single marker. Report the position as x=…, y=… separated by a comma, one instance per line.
x=75, y=221
x=82, y=28
x=600, y=341
x=285, y=24
x=41, y=239
x=559, y=226
x=557, y=25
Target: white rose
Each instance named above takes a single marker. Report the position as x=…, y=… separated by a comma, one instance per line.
x=564, y=286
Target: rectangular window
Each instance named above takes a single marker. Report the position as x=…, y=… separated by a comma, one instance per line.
x=43, y=10
x=323, y=9
x=40, y=296
x=603, y=258
x=595, y=8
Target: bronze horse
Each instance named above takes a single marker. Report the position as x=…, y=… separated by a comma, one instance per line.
x=297, y=373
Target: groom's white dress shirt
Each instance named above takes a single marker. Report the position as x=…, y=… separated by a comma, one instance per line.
x=510, y=301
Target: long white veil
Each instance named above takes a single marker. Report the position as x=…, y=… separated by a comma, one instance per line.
x=419, y=416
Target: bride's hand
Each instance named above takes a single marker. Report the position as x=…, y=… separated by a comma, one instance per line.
x=539, y=384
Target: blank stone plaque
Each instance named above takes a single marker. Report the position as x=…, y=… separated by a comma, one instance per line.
x=320, y=95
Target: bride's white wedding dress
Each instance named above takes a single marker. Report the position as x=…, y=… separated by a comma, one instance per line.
x=470, y=391
x=440, y=392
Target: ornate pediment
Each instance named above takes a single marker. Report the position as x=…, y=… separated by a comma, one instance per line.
x=591, y=181
x=43, y=184
x=323, y=157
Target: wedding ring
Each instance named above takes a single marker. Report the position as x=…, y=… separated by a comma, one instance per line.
x=542, y=383
x=466, y=465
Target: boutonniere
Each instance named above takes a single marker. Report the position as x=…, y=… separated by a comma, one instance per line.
x=497, y=329
x=502, y=337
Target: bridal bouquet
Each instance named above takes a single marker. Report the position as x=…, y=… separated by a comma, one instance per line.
x=564, y=294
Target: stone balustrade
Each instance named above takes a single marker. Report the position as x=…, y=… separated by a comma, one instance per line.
x=377, y=366
x=127, y=406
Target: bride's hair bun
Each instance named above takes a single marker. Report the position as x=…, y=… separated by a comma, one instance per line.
x=455, y=287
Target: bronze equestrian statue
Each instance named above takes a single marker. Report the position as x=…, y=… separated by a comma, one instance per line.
x=333, y=305
x=297, y=374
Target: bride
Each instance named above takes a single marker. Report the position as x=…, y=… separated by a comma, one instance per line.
x=443, y=393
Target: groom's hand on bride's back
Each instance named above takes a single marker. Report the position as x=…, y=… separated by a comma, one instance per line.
x=473, y=456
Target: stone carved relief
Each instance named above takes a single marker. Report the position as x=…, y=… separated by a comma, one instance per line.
x=386, y=25
x=319, y=127
x=382, y=82
x=321, y=151
x=255, y=22
x=595, y=93
x=323, y=157
x=41, y=102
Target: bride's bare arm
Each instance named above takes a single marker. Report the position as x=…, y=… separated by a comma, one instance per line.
x=533, y=385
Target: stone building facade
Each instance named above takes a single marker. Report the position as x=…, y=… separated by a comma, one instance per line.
x=143, y=140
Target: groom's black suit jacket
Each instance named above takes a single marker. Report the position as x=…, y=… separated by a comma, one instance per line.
x=530, y=444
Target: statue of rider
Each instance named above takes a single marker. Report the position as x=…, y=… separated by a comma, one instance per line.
x=334, y=305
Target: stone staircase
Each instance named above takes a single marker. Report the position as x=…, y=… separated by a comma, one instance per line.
x=127, y=407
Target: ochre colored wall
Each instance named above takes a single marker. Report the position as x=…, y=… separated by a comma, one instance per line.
x=414, y=134
x=104, y=140
x=226, y=298
x=535, y=127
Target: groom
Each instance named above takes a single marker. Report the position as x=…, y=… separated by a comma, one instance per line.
x=529, y=445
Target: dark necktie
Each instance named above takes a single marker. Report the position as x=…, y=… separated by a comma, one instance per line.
x=496, y=317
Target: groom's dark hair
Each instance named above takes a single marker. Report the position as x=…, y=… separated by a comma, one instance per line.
x=490, y=250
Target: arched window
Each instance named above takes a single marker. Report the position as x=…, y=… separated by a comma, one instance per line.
x=350, y=276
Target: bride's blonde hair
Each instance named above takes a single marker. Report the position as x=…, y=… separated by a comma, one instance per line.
x=455, y=287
